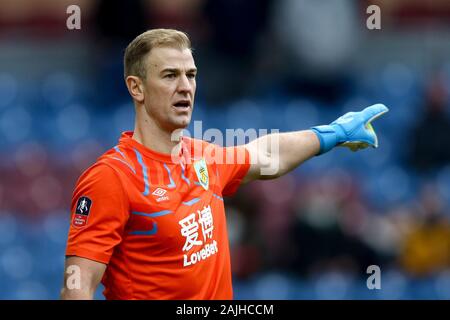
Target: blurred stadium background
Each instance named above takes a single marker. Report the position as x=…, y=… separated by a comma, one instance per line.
x=285, y=64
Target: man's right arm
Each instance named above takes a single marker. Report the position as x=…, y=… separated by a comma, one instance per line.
x=81, y=278
x=94, y=231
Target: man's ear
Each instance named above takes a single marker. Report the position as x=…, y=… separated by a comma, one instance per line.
x=135, y=88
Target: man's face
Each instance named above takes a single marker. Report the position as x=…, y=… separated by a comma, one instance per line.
x=170, y=87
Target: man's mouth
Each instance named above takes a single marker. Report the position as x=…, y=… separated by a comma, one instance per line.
x=182, y=104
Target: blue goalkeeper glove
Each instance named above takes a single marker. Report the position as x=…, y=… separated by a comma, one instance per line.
x=352, y=130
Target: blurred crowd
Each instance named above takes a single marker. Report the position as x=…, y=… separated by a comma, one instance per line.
x=287, y=64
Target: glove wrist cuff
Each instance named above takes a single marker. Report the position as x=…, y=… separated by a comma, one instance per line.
x=327, y=136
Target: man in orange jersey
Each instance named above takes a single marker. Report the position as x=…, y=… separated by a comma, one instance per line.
x=148, y=218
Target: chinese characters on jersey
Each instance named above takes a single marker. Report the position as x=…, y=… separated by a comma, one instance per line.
x=202, y=219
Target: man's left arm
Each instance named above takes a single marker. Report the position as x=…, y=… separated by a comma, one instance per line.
x=274, y=155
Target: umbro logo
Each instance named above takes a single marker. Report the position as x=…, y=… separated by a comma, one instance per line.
x=160, y=194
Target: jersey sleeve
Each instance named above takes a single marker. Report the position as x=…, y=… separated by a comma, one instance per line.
x=99, y=213
x=233, y=168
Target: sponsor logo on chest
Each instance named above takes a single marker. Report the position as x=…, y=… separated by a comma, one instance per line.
x=197, y=229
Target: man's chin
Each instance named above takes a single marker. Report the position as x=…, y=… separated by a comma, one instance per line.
x=180, y=125
x=184, y=124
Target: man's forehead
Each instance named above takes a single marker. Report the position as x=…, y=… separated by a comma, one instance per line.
x=166, y=57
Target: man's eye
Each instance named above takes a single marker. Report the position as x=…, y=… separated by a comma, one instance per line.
x=170, y=75
x=191, y=76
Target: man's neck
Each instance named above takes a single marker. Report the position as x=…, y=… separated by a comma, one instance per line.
x=155, y=138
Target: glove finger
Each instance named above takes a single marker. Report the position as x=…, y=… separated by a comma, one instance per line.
x=373, y=112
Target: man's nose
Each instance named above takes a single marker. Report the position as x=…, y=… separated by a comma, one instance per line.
x=184, y=85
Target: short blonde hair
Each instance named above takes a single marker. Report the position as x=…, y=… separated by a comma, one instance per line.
x=137, y=50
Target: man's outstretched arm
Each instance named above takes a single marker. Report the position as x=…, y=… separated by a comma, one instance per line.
x=274, y=155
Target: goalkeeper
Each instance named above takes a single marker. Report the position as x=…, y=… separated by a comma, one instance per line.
x=148, y=218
